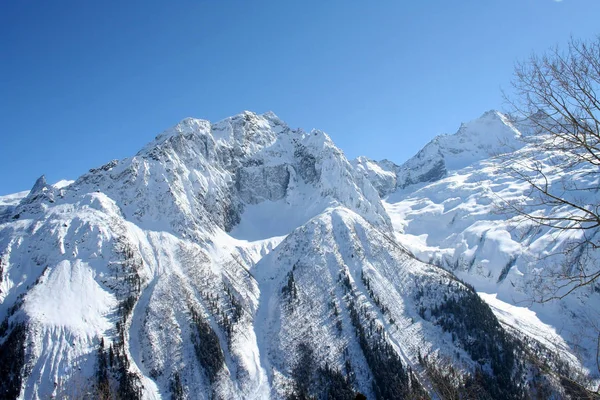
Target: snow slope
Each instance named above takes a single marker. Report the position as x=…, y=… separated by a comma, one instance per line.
x=338, y=261
x=460, y=222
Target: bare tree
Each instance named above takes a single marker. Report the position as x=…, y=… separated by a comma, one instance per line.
x=555, y=103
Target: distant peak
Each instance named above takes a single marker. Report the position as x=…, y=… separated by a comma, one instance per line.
x=39, y=185
x=270, y=115
x=362, y=159
x=188, y=121
x=191, y=123
x=251, y=115
x=247, y=114
x=492, y=113
x=273, y=118
x=243, y=128
x=317, y=136
x=485, y=123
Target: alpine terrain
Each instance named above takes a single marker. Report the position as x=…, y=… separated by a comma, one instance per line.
x=244, y=259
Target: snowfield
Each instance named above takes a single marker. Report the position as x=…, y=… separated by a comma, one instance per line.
x=246, y=260
x=460, y=222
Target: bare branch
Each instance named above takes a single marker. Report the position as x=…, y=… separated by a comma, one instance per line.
x=556, y=96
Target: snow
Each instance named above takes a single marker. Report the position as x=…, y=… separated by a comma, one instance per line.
x=526, y=321
x=71, y=297
x=317, y=252
x=63, y=183
x=458, y=222
x=274, y=219
x=214, y=216
x=13, y=199
x=489, y=135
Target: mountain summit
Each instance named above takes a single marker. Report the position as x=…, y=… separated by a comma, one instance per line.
x=485, y=137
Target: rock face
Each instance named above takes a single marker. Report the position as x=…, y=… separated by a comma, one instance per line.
x=381, y=174
x=243, y=260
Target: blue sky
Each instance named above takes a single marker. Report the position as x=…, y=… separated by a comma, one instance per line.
x=84, y=82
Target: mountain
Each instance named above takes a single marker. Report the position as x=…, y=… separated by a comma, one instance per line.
x=458, y=218
x=246, y=260
x=489, y=135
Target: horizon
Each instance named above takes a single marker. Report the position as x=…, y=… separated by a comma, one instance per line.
x=87, y=83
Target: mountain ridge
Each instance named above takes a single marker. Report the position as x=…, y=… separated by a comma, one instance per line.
x=489, y=135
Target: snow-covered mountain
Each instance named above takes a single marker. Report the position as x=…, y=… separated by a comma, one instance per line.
x=489, y=135
x=247, y=260
x=456, y=217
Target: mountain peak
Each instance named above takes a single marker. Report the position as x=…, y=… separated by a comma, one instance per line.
x=491, y=127
x=492, y=114
x=39, y=185
x=251, y=116
x=491, y=134
x=187, y=126
x=247, y=130
x=199, y=174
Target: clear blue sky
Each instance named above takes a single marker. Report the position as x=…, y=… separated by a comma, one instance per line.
x=84, y=82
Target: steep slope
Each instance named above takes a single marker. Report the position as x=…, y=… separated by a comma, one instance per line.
x=460, y=223
x=382, y=174
x=339, y=297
